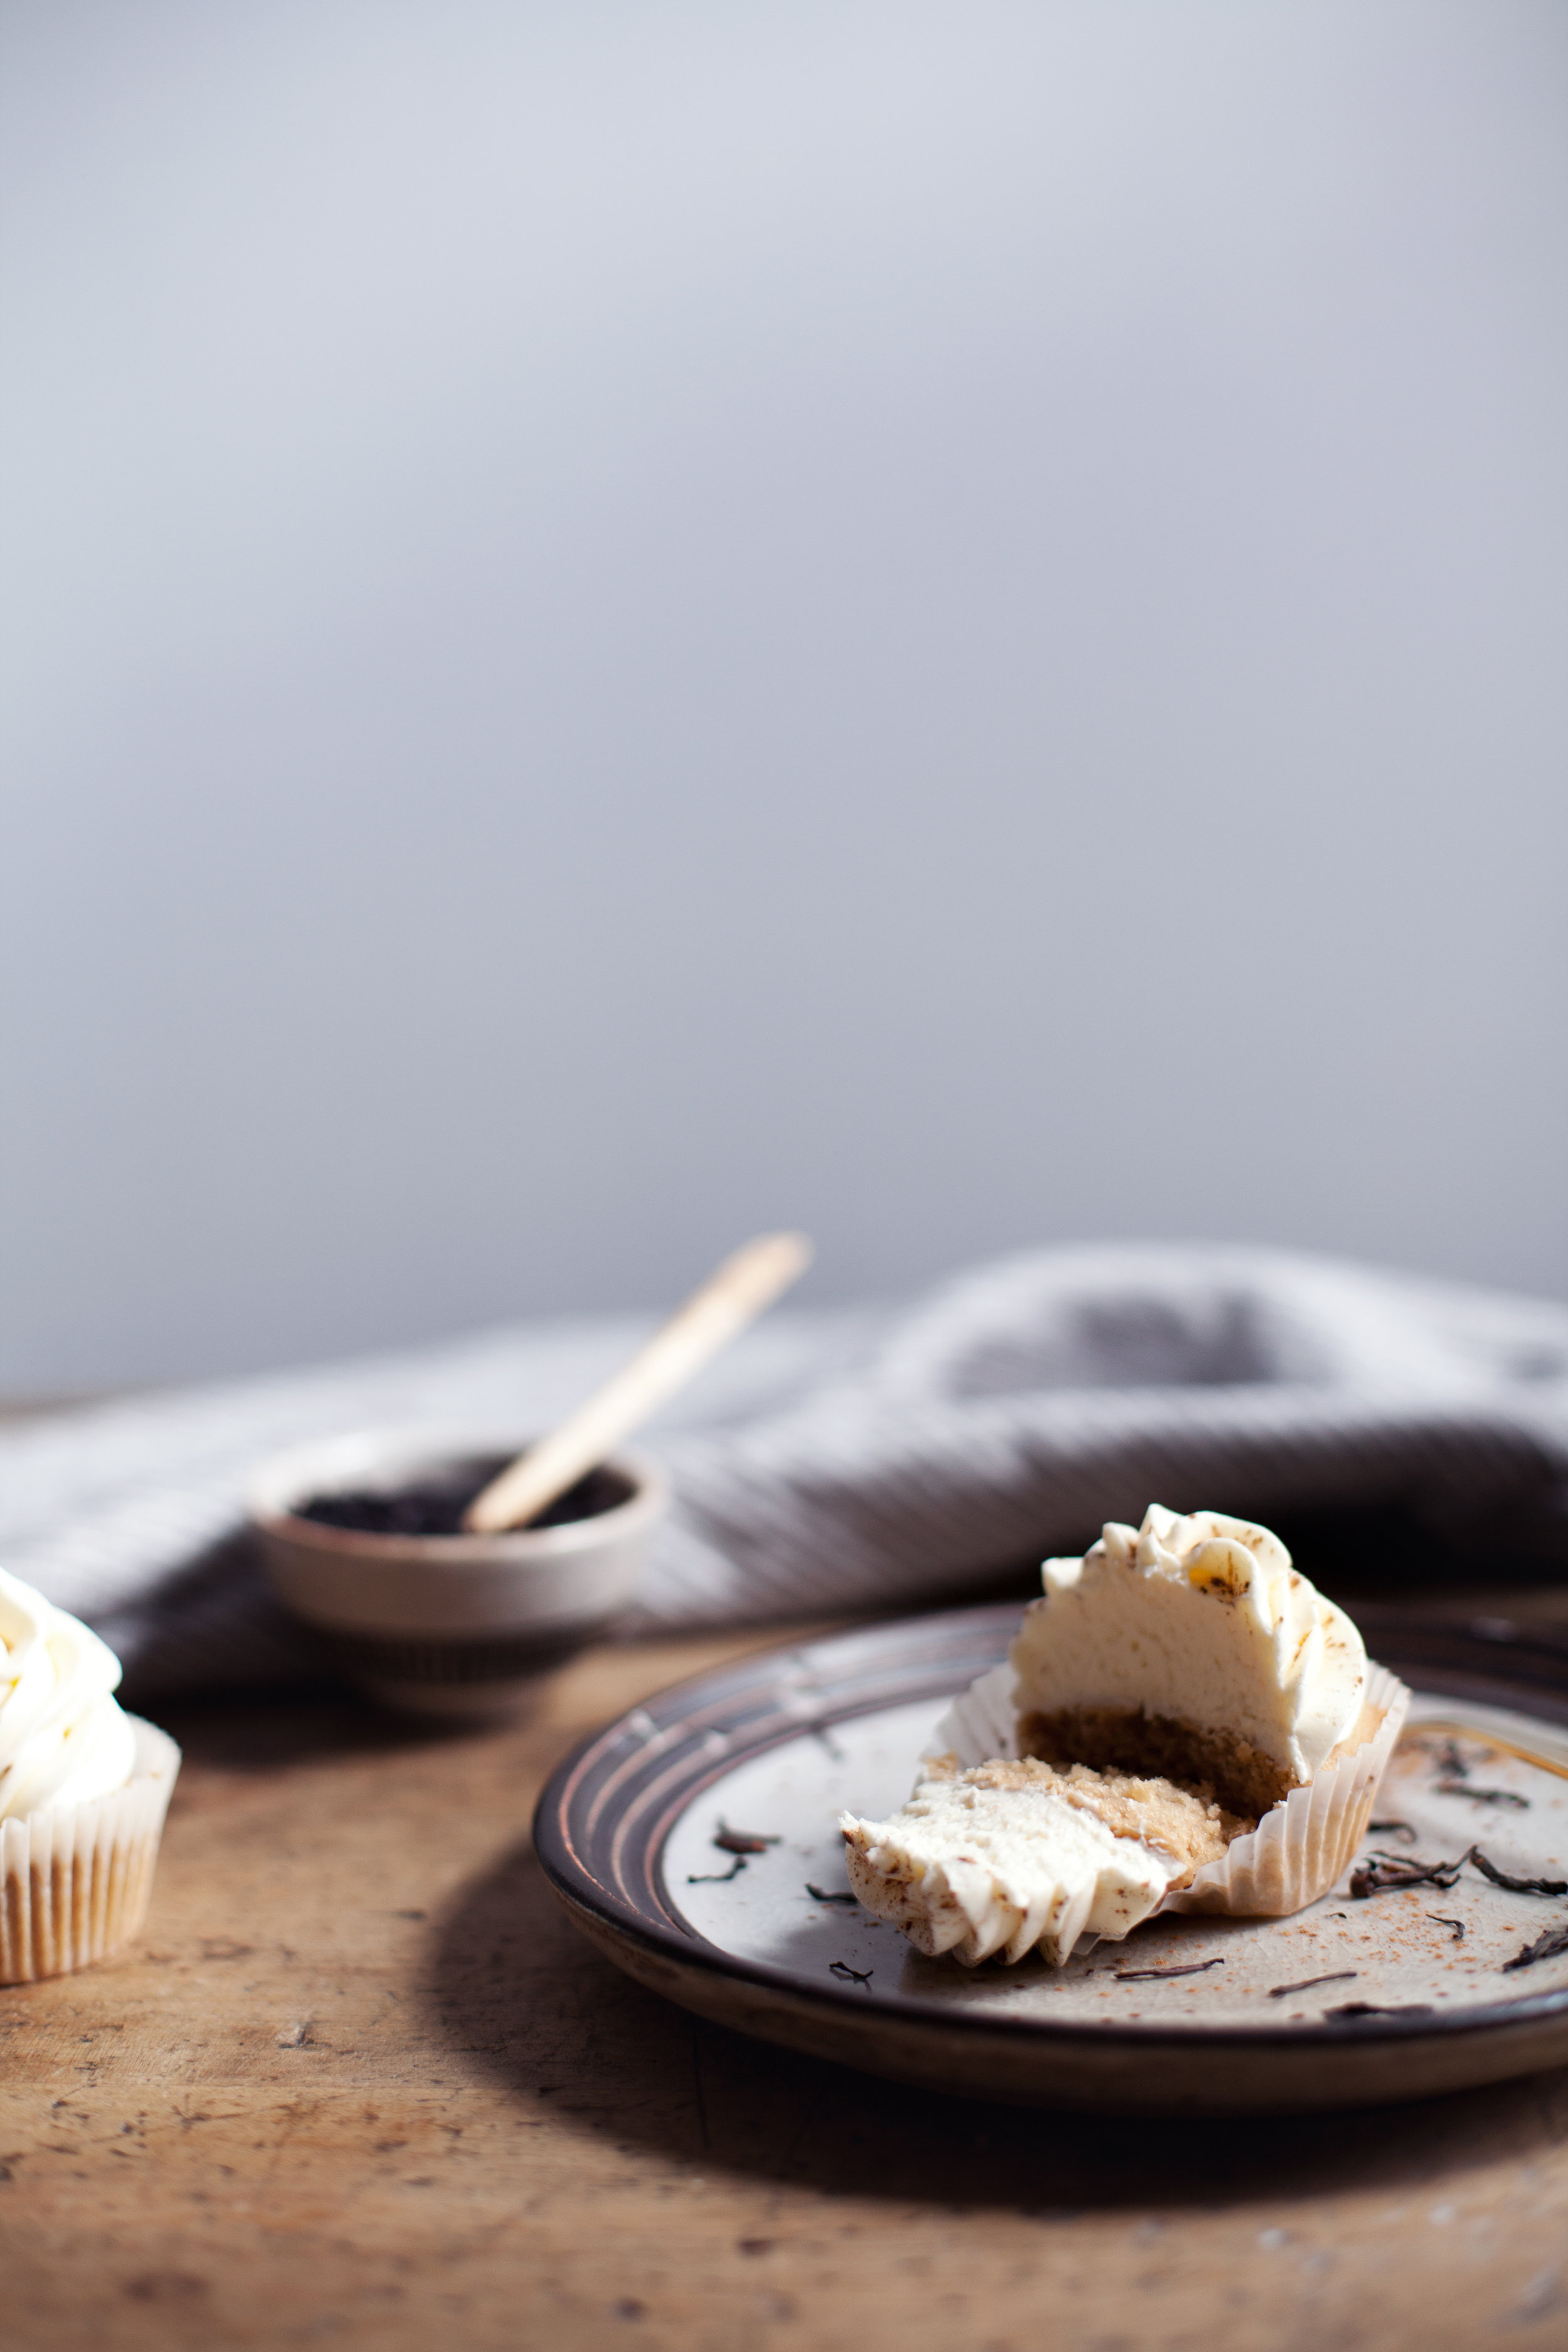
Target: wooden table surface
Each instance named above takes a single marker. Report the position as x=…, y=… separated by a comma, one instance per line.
x=361, y=2084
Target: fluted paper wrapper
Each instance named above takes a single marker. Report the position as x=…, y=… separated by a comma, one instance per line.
x=1300, y=1845
x=75, y=1880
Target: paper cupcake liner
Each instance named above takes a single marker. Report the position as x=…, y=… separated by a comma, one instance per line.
x=982, y=1722
x=1300, y=1845
x=75, y=1880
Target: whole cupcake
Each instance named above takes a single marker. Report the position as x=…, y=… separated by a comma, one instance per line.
x=84, y=1788
x=1184, y=1724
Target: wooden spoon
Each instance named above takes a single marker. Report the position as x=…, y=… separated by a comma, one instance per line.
x=733, y=1296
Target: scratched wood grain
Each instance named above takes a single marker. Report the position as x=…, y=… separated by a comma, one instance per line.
x=362, y=2085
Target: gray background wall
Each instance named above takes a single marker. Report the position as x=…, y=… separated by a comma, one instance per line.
x=945, y=623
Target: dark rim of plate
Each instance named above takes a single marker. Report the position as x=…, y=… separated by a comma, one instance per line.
x=606, y=1812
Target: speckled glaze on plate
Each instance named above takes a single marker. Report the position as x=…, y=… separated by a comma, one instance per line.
x=1399, y=1996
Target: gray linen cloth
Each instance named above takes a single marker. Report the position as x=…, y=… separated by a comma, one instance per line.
x=841, y=1461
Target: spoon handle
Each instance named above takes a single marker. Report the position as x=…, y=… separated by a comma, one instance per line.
x=733, y=1296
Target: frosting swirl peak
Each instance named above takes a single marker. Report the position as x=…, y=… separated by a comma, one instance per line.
x=1197, y=1631
x=63, y=1738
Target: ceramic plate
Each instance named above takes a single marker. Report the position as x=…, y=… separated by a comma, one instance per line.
x=1404, y=1993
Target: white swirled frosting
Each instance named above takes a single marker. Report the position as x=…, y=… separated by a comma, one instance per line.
x=63, y=1738
x=1202, y=1620
x=973, y=1868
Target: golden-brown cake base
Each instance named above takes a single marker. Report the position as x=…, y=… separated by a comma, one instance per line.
x=1118, y=1739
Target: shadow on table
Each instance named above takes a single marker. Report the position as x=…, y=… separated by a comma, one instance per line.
x=247, y=1731
x=527, y=2001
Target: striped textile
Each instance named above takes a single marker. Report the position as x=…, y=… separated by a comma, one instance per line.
x=846, y=1460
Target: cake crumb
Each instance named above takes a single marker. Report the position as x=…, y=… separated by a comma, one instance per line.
x=1183, y=1820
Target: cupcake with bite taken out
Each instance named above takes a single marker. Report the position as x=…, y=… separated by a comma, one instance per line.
x=1184, y=1724
x=84, y=1788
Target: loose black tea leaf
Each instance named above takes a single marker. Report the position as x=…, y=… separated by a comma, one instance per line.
x=1546, y=1946
x=1382, y=1872
x=1457, y=1925
x=1450, y=1763
x=1515, y=1885
x=818, y=1895
x=1482, y=1796
x=1391, y=1829
x=1376, y=2009
x=1335, y=1976
x=729, y=1840
x=850, y=1976
x=1142, y=1975
x=434, y=1506
x=718, y=1877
